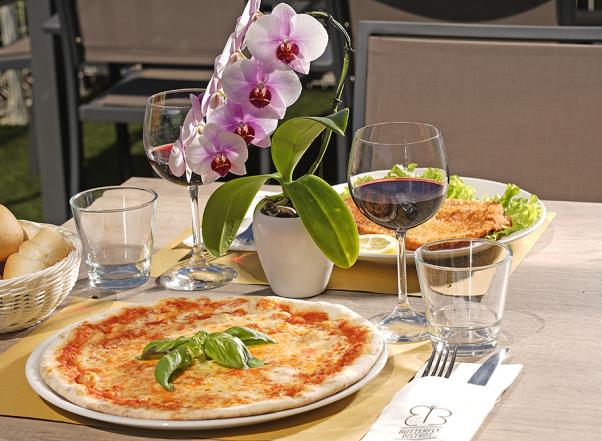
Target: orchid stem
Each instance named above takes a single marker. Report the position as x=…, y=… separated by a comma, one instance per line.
x=340, y=86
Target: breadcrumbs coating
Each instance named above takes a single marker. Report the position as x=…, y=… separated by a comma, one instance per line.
x=455, y=219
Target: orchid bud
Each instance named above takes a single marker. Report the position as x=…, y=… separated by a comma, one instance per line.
x=236, y=56
x=200, y=128
x=217, y=99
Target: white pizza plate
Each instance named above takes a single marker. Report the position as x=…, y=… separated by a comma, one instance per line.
x=483, y=188
x=37, y=383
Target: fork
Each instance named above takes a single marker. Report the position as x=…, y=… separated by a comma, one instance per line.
x=441, y=352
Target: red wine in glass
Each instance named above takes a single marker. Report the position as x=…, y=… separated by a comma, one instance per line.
x=399, y=203
x=159, y=160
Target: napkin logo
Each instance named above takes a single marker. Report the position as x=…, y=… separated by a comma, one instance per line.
x=424, y=422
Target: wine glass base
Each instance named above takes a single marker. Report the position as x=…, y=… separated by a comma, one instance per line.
x=196, y=277
x=401, y=326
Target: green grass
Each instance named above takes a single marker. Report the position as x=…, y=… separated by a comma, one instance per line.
x=20, y=189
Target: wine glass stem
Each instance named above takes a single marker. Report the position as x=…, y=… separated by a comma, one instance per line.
x=402, y=279
x=198, y=255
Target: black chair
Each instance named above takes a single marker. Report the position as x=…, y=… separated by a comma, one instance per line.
x=172, y=43
x=578, y=13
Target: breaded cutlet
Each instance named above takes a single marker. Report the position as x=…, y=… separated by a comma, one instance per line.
x=456, y=218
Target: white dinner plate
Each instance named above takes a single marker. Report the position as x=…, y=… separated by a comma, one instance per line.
x=237, y=245
x=37, y=383
x=483, y=188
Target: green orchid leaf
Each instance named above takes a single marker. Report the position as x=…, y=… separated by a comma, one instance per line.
x=326, y=218
x=249, y=336
x=226, y=209
x=292, y=139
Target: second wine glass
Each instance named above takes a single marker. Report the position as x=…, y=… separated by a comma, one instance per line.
x=398, y=179
x=163, y=122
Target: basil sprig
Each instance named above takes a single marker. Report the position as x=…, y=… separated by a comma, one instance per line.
x=228, y=348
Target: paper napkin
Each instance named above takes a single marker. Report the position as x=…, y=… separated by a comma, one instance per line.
x=434, y=408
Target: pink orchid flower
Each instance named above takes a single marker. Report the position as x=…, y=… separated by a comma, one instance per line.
x=223, y=59
x=194, y=118
x=243, y=23
x=176, y=161
x=269, y=92
x=237, y=119
x=216, y=153
x=192, y=122
x=230, y=54
x=285, y=39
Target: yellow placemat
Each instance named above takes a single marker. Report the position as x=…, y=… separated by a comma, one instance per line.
x=347, y=419
x=17, y=398
x=363, y=276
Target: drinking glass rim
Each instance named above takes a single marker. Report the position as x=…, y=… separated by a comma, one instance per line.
x=149, y=101
x=113, y=210
x=435, y=136
x=420, y=260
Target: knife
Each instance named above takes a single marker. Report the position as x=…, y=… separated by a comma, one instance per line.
x=483, y=374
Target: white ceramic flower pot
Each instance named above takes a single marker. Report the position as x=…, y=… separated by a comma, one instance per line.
x=293, y=264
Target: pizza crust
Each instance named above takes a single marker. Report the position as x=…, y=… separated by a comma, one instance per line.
x=53, y=375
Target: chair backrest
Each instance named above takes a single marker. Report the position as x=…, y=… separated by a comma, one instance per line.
x=174, y=32
x=514, y=104
x=516, y=12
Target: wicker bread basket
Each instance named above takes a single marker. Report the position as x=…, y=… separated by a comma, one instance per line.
x=28, y=299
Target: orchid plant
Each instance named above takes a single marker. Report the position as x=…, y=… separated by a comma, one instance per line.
x=255, y=80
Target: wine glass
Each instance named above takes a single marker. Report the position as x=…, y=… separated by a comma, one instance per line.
x=163, y=120
x=398, y=179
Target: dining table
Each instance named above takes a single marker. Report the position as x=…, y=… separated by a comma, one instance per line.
x=552, y=325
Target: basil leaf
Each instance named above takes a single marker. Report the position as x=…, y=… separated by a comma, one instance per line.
x=160, y=347
x=255, y=362
x=178, y=359
x=249, y=336
x=195, y=345
x=229, y=351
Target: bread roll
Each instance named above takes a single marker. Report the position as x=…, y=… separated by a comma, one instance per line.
x=29, y=230
x=11, y=233
x=45, y=249
x=18, y=265
x=33, y=251
x=52, y=240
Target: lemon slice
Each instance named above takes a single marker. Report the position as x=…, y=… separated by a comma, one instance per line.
x=378, y=244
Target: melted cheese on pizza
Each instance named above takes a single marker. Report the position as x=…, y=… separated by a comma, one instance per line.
x=310, y=347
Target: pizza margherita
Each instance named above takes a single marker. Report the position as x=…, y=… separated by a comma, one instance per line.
x=320, y=349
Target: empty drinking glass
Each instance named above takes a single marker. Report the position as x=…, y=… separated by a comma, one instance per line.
x=464, y=284
x=116, y=226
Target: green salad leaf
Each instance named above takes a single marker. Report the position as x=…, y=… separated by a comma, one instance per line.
x=457, y=189
x=399, y=171
x=524, y=212
x=436, y=174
